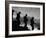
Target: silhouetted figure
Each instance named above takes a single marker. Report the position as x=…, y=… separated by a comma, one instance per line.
x=18, y=19
x=13, y=22
x=25, y=21
x=32, y=23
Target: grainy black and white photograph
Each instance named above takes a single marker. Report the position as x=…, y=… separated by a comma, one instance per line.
x=25, y=19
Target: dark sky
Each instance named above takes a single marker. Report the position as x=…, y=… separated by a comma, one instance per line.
x=35, y=12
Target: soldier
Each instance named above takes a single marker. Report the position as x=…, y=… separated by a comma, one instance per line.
x=32, y=23
x=13, y=22
x=25, y=21
x=18, y=19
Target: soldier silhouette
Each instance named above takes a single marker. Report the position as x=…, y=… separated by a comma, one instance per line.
x=25, y=21
x=18, y=19
x=32, y=23
x=13, y=22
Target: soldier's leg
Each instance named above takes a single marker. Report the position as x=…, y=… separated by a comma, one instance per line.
x=32, y=27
